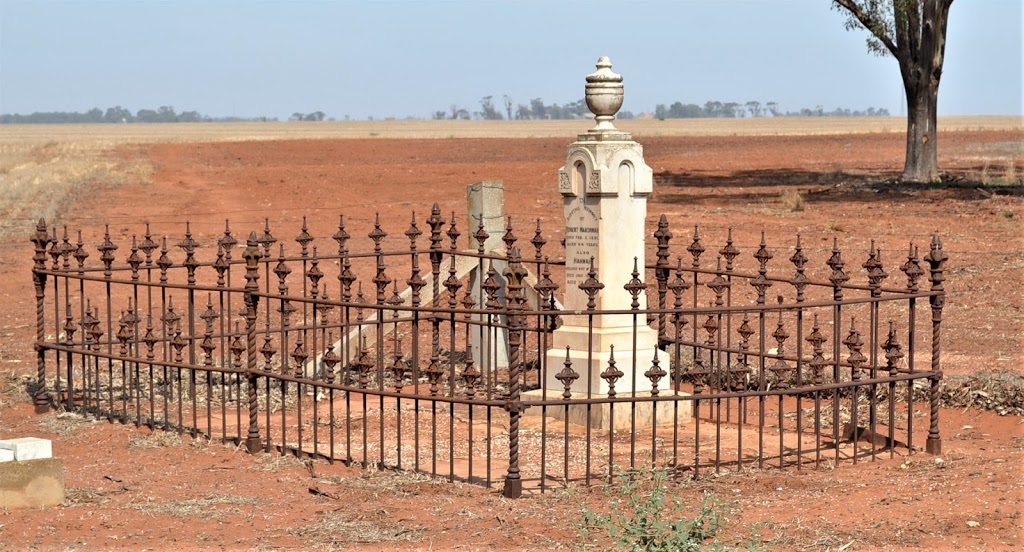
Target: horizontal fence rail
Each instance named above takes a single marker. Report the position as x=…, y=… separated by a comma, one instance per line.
x=428, y=357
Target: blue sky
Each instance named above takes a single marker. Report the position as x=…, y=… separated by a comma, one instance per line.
x=410, y=58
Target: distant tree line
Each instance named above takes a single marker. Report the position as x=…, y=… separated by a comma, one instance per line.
x=489, y=110
x=314, y=116
x=537, y=109
x=508, y=109
x=118, y=114
x=715, y=109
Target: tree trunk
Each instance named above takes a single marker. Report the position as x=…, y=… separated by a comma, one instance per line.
x=920, y=52
x=922, y=164
x=922, y=155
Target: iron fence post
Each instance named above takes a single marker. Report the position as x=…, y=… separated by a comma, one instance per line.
x=252, y=274
x=514, y=275
x=936, y=260
x=41, y=398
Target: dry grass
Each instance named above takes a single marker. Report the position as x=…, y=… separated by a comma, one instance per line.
x=999, y=391
x=157, y=439
x=275, y=461
x=792, y=201
x=220, y=132
x=65, y=424
x=818, y=535
x=13, y=388
x=41, y=179
x=389, y=482
x=209, y=507
x=78, y=496
x=994, y=175
x=334, y=529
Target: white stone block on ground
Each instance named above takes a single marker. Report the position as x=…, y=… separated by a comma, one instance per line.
x=28, y=448
x=6, y=455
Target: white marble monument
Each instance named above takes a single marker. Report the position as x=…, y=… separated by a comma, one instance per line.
x=604, y=185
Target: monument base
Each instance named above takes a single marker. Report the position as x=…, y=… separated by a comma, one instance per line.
x=31, y=483
x=620, y=417
x=590, y=353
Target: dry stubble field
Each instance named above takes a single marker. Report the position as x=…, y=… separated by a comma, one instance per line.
x=129, y=489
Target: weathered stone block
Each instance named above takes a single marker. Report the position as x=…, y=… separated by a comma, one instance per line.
x=6, y=455
x=32, y=483
x=28, y=448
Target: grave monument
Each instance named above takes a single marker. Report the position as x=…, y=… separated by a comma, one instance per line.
x=604, y=185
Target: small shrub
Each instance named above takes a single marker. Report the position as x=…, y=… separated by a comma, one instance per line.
x=642, y=517
x=793, y=201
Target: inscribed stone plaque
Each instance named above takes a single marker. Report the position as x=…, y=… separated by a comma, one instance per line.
x=581, y=243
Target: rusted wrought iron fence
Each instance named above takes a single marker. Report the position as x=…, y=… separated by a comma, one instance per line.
x=400, y=356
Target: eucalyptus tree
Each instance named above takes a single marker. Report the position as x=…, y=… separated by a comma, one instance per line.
x=913, y=32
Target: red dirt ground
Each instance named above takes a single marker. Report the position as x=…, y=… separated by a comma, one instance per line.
x=970, y=498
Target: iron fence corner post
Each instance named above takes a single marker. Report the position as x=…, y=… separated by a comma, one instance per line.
x=513, y=487
x=41, y=397
x=252, y=274
x=936, y=260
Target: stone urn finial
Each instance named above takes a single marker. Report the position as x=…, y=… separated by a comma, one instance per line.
x=604, y=94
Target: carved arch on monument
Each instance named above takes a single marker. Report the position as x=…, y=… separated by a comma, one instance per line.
x=636, y=178
x=627, y=176
x=575, y=177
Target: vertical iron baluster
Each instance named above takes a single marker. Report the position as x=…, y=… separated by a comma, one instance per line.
x=107, y=249
x=678, y=286
x=610, y=375
x=781, y=370
x=853, y=342
x=567, y=376
x=837, y=278
x=818, y=364
x=381, y=280
x=873, y=266
x=761, y=284
x=190, y=264
x=654, y=374
x=912, y=268
x=719, y=285
x=893, y=354
x=591, y=286
x=740, y=381
x=799, y=282
x=54, y=252
x=635, y=287
x=314, y=274
x=282, y=270
x=729, y=252
x=208, y=346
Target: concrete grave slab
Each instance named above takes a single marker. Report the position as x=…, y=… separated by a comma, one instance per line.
x=28, y=448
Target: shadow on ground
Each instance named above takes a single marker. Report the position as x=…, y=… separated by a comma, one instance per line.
x=831, y=186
